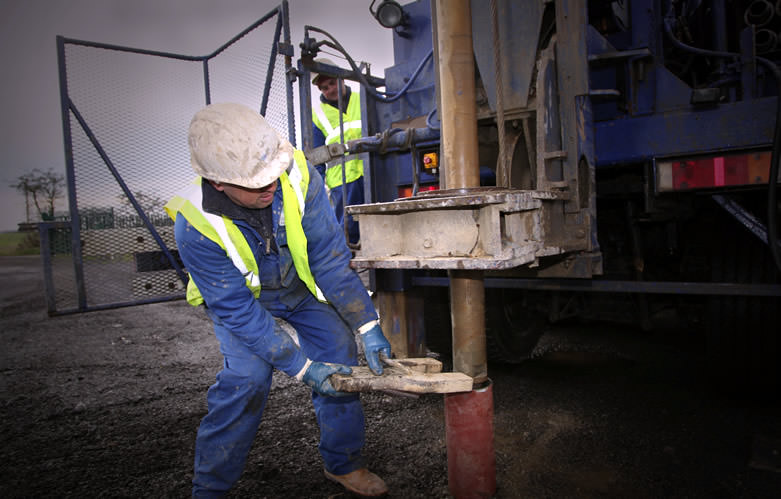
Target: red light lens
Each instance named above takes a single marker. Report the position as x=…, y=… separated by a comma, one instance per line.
x=713, y=172
x=406, y=191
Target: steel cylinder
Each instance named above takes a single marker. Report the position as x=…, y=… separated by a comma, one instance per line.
x=458, y=116
x=469, y=430
x=469, y=416
x=458, y=109
x=467, y=314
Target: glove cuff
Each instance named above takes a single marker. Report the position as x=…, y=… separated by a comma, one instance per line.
x=300, y=375
x=368, y=326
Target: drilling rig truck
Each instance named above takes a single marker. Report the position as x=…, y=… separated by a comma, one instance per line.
x=625, y=152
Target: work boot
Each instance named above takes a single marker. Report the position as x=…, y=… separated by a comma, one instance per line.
x=361, y=482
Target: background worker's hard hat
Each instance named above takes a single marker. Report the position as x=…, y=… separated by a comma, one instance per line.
x=315, y=76
x=233, y=144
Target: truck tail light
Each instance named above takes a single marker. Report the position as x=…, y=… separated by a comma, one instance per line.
x=406, y=191
x=708, y=172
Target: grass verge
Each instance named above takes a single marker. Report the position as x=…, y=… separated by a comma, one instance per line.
x=19, y=243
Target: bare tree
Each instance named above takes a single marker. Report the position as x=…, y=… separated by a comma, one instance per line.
x=44, y=188
x=53, y=188
x=25, y=185
x=149, y=203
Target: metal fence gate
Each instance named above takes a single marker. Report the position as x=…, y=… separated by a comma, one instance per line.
x=125, y=118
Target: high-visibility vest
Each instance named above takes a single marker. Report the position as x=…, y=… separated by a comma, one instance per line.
x=326, y=119
x=221, y=229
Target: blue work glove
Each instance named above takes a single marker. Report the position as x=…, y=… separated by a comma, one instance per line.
x=316, y=376
x=374, y=344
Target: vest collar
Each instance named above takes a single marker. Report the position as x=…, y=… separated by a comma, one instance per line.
x=218, y=203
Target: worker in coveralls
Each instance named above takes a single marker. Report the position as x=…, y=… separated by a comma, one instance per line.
x=325, y=128
x=257, y=236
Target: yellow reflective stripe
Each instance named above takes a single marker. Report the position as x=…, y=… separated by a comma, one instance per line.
x=353, y=170
x=322, y=121
x=226, y=234
x=349, y=126
x=297, y=178
x=293, y=213
x=219, y=229
x=326, y=118
x=187, y=202
x=231, y=235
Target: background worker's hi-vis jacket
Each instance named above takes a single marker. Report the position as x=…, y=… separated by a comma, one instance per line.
x=309, y=241
x=326, y=119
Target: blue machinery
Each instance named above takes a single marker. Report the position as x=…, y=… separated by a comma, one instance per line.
x=628, y=144
x=625, y=152
x=601, y=159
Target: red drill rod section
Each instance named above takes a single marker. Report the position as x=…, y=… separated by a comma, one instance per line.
x=469, y=426
x=468, y=416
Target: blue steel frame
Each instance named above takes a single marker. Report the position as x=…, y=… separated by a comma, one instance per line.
x=660, y=120
x=656, y=117
x=411, y=45
x=409, y=88
x=67, y=107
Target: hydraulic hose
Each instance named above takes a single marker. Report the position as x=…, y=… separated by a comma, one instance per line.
x=772, y=197
x=380, y=96
x=668, y=21
x=430, y=119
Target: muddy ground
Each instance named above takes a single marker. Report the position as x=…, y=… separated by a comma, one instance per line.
x=106, y=404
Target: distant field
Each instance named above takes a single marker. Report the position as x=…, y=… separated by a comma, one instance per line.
x=18, y=243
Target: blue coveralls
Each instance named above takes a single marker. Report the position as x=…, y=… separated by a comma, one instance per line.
x=253, y=344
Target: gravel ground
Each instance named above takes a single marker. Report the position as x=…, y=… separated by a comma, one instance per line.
x=106, y=404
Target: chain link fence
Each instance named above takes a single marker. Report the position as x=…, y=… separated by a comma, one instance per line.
x=125, y=118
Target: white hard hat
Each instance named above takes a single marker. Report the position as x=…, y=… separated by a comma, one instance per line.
x=233, y=144
x=329, y=62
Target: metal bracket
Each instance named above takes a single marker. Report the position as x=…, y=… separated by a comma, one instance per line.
x=326, y=153
x=482, y=228
x=285, y=49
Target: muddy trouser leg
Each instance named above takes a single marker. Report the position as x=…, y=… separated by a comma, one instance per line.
x=325, y=337
x=235, y=403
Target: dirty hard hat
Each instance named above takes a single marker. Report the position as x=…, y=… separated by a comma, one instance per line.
x=315, y=76
x=233, y=144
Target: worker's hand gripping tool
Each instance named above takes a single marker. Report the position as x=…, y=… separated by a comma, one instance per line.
x=374, y=344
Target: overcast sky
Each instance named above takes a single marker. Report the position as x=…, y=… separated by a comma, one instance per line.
x=31, y=122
